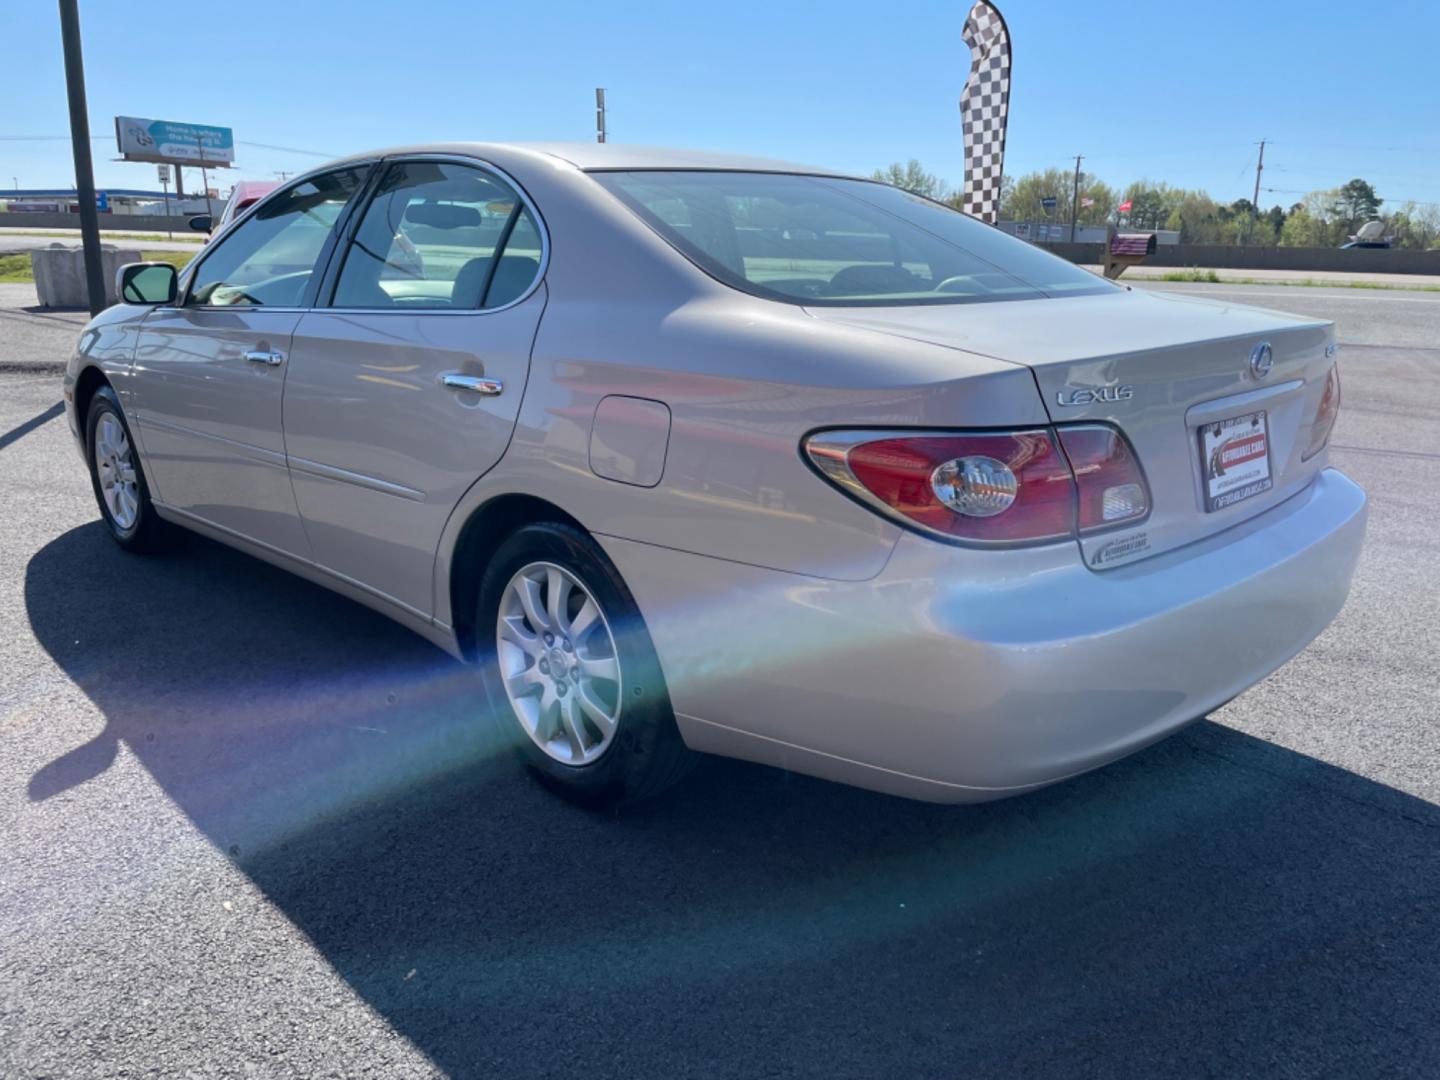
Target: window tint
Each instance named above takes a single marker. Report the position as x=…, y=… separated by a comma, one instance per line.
x=428, y=240
x=818, y=240
x=270, y=259
x=519, y=263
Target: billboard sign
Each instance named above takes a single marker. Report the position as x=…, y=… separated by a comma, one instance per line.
x=178, y=144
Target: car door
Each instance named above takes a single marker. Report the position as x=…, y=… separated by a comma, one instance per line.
x=405, y=387
x=211, y=370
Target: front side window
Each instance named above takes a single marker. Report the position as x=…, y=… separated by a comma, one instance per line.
x=825, y=241
x=270, y=259
x=442, y=236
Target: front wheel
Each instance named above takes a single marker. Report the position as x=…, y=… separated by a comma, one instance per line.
x=118, y=478
x=571, y=675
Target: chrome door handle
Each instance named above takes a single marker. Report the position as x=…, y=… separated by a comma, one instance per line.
x=473, y=383
x=260, y=356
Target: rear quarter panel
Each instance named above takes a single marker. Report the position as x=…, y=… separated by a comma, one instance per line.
x=745, y=380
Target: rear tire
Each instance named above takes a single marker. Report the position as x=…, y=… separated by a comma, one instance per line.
x=571, y=676
x=118, y=479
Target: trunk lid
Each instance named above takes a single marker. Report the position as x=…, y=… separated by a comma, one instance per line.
x=1162, y=368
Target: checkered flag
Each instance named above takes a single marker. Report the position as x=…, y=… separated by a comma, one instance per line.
x=985, y=109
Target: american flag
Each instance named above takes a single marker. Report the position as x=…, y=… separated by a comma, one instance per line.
x=1087, y=201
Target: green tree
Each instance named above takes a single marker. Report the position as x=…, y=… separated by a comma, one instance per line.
x=1151, y=203
x=1355, y=204
x=1311, y=222
x=1198, y=218
x=1026, y=198
x=1416, y=226
x=912, y=177
x=1023, y=200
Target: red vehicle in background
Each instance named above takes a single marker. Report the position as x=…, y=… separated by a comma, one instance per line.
x=244, y=195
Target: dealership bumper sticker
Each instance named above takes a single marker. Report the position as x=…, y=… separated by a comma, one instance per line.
x=1235, y=457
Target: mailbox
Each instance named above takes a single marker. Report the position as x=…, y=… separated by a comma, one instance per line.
x=1141, y=244
x=1123, y=250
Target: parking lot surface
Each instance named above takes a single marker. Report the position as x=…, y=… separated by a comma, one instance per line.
x=249, y=828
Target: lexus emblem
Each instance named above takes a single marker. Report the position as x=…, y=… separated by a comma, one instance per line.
x=1262, y=359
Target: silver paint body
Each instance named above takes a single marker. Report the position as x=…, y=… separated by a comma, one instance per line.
x=664, y=411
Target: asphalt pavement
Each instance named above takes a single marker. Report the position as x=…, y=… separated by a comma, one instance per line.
x=248, y=828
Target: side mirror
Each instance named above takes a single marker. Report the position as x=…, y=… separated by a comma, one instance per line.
x=204, y=223
x=147, y=283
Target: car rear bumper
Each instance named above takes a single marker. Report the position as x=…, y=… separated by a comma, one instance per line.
x=959, y=675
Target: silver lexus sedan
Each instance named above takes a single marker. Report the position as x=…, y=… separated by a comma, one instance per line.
x=690, y=452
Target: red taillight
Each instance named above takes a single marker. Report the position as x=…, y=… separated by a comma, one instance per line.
x=1325, y=414
x=1014, y=487
x=1111, y=488
x=997, y=488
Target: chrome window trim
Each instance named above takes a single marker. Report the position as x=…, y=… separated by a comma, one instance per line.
x=187, y=275
x=757, y=290
x=182, y=294
x=474, y=163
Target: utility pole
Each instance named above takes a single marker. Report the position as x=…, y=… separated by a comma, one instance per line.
x=80, y=144
x=1255, y=201
x=1075, y=199
x=599, y=114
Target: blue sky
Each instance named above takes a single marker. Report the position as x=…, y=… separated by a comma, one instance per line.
x=1173, y=91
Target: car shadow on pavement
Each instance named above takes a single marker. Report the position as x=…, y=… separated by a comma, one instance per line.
x=1216, y=905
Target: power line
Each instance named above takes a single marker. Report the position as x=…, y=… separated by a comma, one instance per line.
x=108, y=138
x=289, y=149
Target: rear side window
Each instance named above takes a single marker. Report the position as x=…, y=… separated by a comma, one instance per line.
x=823, y=241
x=270, y=259
x=440, y=236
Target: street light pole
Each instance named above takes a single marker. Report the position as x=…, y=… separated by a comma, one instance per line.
x=80, y=140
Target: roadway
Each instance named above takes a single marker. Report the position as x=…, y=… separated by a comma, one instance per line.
x=249, y=828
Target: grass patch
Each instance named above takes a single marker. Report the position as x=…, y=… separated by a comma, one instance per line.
x=183, y=234
x=15, y=269
x=177, y=259
x=1209, y=276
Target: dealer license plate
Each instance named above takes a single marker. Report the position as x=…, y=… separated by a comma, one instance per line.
x=1235, y=460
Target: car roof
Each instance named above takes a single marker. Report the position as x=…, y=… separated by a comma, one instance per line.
x=246, y=188
x=600, y=156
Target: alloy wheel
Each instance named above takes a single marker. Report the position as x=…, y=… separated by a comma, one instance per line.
x=559, y=663
x=115, y=469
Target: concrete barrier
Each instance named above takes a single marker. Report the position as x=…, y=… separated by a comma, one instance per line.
x=60, y=274
x=179, y=224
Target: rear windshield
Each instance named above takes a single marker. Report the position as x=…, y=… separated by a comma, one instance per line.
x=817, y=240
